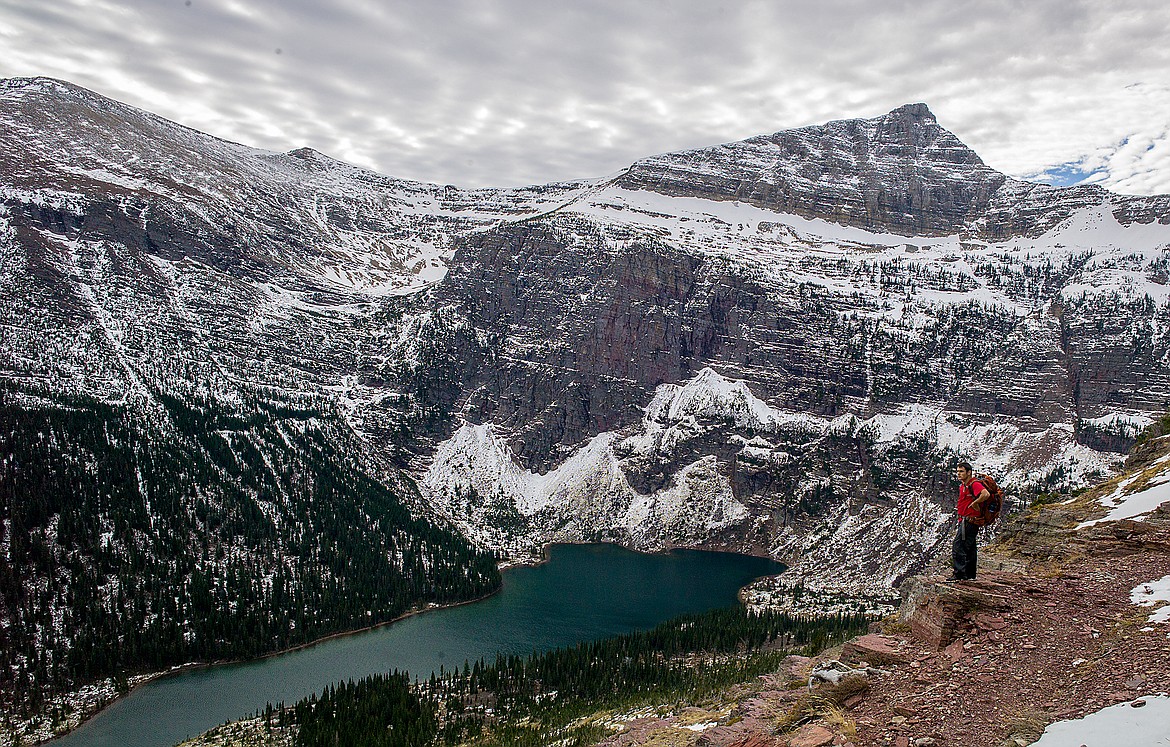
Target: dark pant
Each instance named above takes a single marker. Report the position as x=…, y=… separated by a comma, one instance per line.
x=964, y=549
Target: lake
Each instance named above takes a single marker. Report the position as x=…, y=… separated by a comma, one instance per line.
x=582, y=593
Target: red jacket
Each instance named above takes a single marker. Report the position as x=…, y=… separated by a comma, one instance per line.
x=967, y=496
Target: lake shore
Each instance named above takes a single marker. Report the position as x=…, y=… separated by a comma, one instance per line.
x=90, y=701
x=87, y=703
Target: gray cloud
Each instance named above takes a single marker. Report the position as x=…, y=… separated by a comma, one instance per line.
x=501, y=92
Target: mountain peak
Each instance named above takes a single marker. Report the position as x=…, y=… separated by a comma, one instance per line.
x=916, y=126
x=899, y=173
x=919, y=111
x=20, y=88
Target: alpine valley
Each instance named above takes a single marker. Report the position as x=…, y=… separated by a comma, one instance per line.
x=249, y=399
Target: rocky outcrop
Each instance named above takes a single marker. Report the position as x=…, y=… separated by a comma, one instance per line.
x=875, y=649
x=936, y=611
x=899, y=173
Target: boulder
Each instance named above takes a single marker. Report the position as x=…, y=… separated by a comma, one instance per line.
x=811, y=735
x=936, y=611
x=874, y=648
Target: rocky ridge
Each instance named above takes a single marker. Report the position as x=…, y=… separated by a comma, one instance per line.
x=1074, y=620
x=901, y=173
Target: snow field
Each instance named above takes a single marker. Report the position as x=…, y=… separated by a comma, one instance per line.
x=1121, y=725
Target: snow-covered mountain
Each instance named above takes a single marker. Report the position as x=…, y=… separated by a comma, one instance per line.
x=146, y=234
x=776, y=345
x=835, y=314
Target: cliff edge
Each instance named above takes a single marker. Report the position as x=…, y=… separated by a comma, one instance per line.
x=1063, y=636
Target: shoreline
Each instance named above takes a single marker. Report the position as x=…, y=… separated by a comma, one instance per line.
x=526, y=561
x=195, y=666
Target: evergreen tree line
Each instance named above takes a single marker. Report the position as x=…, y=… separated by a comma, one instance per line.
x=378, y=711
x=689, y=655
x=126, y=548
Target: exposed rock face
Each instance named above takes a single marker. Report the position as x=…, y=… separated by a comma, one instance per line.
x=1028, y=380
x=936, y=611
x=870, y=299
x=899, y=173
x=591, y=324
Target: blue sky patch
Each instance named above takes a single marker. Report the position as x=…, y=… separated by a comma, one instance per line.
x=1067, y=174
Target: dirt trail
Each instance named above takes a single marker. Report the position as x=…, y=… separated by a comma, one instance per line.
x=1048, y=632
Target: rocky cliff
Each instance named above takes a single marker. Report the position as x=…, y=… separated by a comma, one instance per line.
x=778, y=345
x=901, y=173
x=972, y=315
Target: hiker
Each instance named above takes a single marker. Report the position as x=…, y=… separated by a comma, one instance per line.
x=972, y=494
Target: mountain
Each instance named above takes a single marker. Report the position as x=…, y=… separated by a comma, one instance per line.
x=779, y=346
x=797, y=334
x=901, y=173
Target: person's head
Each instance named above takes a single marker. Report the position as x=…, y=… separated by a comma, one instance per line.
x=963, y=471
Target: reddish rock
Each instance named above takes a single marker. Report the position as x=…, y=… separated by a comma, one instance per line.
x=854, y=700
x=954, y=651
x=936, y=611
x=1021, y=651
x=755, y=740
x=902, y=741
x=811, y=735
x=990, y=622
x=875, y=649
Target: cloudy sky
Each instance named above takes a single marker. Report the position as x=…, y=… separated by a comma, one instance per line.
x=508, y=92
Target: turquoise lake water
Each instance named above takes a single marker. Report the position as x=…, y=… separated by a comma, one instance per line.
x=583, y=592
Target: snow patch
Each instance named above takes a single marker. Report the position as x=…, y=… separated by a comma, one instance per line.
x=1138, y=504
x=677, y=413
x=669, y=212
x=475, y=457
x=704, y=726
x=475, y=479
x=1150, y=594
x=1015, y=456
x=1117, y=725
x=698, y=502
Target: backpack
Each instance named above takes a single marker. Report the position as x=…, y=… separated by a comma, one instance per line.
x=989, y=511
